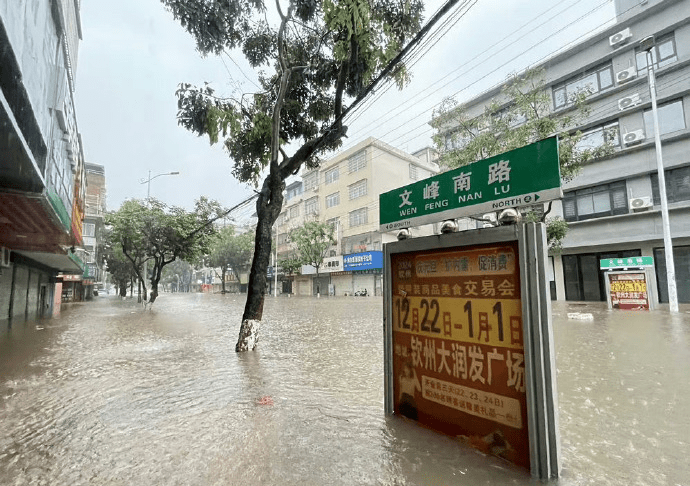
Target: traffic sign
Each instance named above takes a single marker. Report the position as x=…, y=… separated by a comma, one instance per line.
x=520, y=177
x=631, y=262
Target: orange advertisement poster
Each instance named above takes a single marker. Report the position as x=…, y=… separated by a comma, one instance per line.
x=458, y=354
x=629, y=291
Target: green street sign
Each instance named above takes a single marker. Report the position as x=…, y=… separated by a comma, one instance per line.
x=632, y=262
x=521, y=177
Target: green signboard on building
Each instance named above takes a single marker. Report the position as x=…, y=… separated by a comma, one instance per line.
x=631, y=262
x=521, y=177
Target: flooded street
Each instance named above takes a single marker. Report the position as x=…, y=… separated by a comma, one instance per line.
x=110, y=393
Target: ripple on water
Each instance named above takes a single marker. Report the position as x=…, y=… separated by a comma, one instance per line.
x=112, y=394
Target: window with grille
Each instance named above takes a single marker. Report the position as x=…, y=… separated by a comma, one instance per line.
x=334, y=223
x=358, y=217
x=358, y=189
x=332, y=199
x=311, y=206
x=413, y=172
x=677, y=185
x=596, y=202
x=357, y=162
x=332, y=175
x=311, y=181
x=294, y=212
x=89, y=229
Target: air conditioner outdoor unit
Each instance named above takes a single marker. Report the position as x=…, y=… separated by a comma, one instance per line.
x=629, y=101
x=493, y=220
x=634, y=137
x=626, y=75
x=620, y=38
x=638, y=203
x=4, y=256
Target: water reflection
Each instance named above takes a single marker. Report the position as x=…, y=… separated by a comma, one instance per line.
x=111, y=394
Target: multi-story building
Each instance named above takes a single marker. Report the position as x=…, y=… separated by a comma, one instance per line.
x=344, y=192
x=94, y=216
x=613, y=205
x=41, y=155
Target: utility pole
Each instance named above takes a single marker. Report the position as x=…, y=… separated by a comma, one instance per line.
x=647, y=44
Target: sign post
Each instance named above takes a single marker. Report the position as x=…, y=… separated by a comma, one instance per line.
x=468, y=342
x=521, y=177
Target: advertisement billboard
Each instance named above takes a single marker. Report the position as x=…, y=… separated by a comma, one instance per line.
x=458, y=361
x=468, y=341
x=363, y=261
x=628, y=290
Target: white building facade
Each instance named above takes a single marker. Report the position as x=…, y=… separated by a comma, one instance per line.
x=344, y=192
x=613, y=205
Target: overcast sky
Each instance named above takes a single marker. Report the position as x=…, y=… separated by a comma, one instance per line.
x=133, y=55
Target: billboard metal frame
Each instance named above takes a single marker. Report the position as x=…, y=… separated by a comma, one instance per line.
x=540, y=368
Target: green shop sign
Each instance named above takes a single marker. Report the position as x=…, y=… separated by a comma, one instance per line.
x=632, y=262
x=521, y=177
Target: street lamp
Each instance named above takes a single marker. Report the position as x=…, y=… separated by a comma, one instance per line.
x=647, y=44
x=148, y=197
x=148, y=181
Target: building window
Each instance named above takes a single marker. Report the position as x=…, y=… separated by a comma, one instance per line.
x=598, y=136
x=457, y=139
x=334, y=223
x=593, y=82
x=311, y=181
x=281, y=219
x=413, y=172
x=332, y=199
x=282, y=238
x=677, y=185
x=358, y=189
x=358, y=161
x=89, y=229
x=671, y=118
x=294, y=192
x=663, y=53
x=332, y=175
x=596, y=202
x=311, y=206
x=510, y=116
x=358, y=217
x=294, y=212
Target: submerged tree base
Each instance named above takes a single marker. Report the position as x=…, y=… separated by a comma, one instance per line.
x=249, y=335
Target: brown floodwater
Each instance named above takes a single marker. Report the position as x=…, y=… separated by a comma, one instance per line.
x=112, y=394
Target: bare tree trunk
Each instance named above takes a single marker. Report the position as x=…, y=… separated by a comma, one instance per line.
x=268, y=204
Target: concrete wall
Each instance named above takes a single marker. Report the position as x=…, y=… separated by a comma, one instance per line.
x=21, y=285
x=43, y=59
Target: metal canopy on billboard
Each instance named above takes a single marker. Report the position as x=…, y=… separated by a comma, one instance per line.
x=468, y=341
x=523, y=176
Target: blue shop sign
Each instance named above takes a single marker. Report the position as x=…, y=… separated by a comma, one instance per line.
x=363, y=261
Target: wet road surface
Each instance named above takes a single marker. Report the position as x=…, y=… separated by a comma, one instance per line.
x=110, y=393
